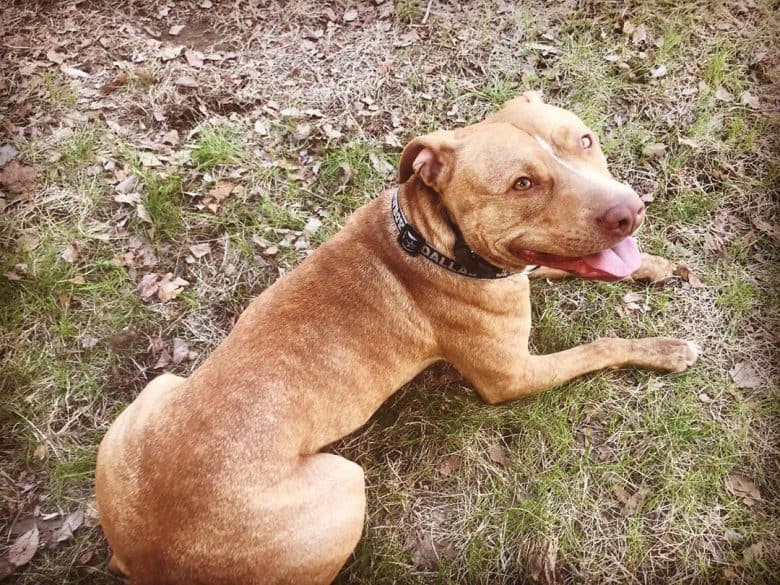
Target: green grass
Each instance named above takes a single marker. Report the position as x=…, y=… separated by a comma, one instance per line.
x=217, y=146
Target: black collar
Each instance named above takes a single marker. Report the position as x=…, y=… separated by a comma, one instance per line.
x=468, y=262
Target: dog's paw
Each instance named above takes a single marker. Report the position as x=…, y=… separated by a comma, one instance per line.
x=675, y=355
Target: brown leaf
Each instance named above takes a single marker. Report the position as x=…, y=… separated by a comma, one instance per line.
x=770, y=229
x=186, y=81
x=23, y=549
x=499, y=454
x=705, y=398
x=753, y=552
x=181, y=350
x=741, y=486
x=55, y=57
x=17, y=177
x=639, y=35
x=175, y=29
x=170, y=52
x=194, y=58
x=745, y=376
x=723, y=95
x=88, y=342
x=40, y=451
x=350, y=15
x=149, y=286
x=543, y=564
x=71, y=524
x=302, y=131
x=218, y=193
x=169, y=287
x=200, y=250
x=450, y=464
x=163, y=360
x=122, y=339
x=70, y=253
x=654, y=150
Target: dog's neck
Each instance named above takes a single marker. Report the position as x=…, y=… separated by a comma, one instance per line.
x=422, y=207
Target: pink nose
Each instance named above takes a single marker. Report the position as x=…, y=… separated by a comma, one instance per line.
x=623, y=218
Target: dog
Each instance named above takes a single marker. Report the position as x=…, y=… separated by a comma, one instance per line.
x=219, y=478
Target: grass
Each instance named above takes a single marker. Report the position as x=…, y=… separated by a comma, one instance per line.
x=77, y=342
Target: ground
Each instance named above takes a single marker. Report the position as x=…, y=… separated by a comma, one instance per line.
x=163, y=162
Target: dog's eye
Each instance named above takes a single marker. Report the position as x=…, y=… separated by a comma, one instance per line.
x=523, y=184
x=586, y=141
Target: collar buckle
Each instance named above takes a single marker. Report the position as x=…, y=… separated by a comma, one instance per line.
x=410, y=240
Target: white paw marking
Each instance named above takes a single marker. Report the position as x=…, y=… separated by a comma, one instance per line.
x=695, y=351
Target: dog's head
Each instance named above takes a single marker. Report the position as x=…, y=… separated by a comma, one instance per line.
x=530, y=185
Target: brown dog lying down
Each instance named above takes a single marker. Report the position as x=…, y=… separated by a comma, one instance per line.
x=218, y=478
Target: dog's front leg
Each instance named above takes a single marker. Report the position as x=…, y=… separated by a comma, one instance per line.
x=534, y=373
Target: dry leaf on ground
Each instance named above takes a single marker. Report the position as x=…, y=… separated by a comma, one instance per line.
x=69, y=526
x=218, y=193
x=499, y=454
x=181, y=351
x=739, y=485
x=148, y=286
x=745, y=376
x=753, y=552
x=654, y=150
x=24, y=548
x=170, y=287
x=450, y=464
x=71, y=253
x=17, y=177
x=543, y=564
x=200, y=250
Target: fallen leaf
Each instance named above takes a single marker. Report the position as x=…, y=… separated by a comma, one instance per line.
x=7, y=153
x=200, y=250
x=17, y=177
x=261, y=128
x=127, y=185
x=312, y=225
x=170, y=52
x=499, y=454
x=122, y=340
x=705, y=398
x=23, y=549
x=658, y=72
x=723, y=95
x=749, y=100
x=745, y=376
x=88, y=342
x=654, y=150
x=689, y=142
x=218, y=193
x=70, y=253
x=11, y=275
x=741, y=486
x=163, y=360
x=194, y=58
x=143, y=215
x=171, y=137
x=770, y=229
x=180, y=350
x=543, y=564
x=450, y=464
x=175, y=29
x=40, y=451
x=639, y=35
x=186, y=81
x=350, y=15
x=55, y=57
x=73, y=72
x=149, y=160
x=752, y=553
x=71, y=524
x=148, y=286
x=302, y=131
x=169, y=287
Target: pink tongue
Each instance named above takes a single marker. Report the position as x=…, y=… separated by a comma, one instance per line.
x=620, y=261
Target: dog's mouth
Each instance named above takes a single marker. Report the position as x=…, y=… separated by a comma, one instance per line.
x=614, y=263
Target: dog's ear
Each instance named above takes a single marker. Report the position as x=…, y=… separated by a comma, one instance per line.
x=430, y=157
